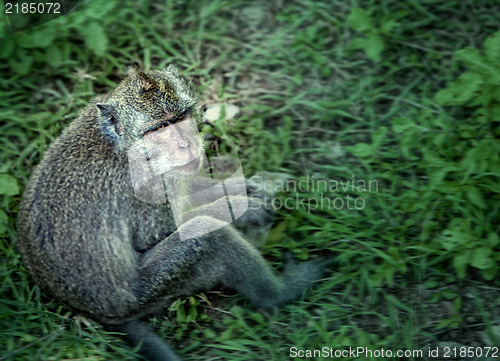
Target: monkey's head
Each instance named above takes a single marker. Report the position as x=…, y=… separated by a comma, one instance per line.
x=155, y=115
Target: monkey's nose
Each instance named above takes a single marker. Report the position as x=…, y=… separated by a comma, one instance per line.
x=182, y=143
x=178, y=137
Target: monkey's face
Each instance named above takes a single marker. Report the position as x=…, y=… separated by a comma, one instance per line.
x=174, y=148
x=155, y=112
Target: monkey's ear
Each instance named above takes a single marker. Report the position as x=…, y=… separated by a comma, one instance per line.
x=147, y=81
x=106, y=110
x=173, y=70
x=108, y=120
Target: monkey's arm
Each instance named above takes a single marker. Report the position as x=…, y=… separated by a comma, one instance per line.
x=181, y=267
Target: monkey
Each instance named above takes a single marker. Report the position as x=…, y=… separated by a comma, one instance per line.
x=92, y=239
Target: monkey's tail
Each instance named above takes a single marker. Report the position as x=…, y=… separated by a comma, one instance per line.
x=153, y=347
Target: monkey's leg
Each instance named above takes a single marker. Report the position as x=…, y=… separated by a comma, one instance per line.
x=153, y=347
x=174, y=268
x=254, y=223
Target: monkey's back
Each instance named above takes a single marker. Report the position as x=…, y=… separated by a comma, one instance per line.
x=78, y=228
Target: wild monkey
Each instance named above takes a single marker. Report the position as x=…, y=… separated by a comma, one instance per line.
x=90, y=242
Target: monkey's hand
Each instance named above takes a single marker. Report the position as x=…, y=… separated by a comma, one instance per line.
x=296, y=278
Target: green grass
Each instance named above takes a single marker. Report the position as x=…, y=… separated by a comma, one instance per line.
x=332, y=91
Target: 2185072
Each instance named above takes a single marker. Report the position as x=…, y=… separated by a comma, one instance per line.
x=33, y=8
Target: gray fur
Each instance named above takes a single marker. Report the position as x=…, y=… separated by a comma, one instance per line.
x=88, y=242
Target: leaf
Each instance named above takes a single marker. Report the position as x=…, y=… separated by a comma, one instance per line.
x=361, y=150
x=3, y=221
x=8, y=185
x=461, y=90
x=95, y=38
x=24, y=40
x=432, y=159
x=387, y=26
x=98, y=9
x=400, y=124
x=359, y=20
x=53, y=56
x=44, y=36
x=475, y=61
x=378, y=135
x=431, y=283
x=372, y=46
x=492, y=48
x=7, y=48
x=460, y=262
x=471, y=57
x=444, y=324
x=375, y=47
x=480, y=258
x=209, y=333
x=452, y=187
x=277, y=233
x=492, y=239
x=22, y=62
x=475, y=197
x=452, y=240
x=436, y=177
x=491, y=272
x=439, y=139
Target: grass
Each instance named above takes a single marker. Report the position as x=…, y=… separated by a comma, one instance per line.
x=330, y=91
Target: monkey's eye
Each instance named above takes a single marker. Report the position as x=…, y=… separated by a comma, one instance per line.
x=182, y=116
x=162, y=126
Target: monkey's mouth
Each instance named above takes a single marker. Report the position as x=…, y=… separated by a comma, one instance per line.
x=191, y=165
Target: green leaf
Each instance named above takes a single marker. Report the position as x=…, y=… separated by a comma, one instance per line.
x=387, y=26
x=257, y=317
x=492, y=239
x=439, y=139
x=375, y=47
x=431, y=283
x=492, y=48
x=475, y=197
x=98, y=9
x=372, y=46
x=452, y=239
x=361, y=150
x=8, y=185
x=436, y=177
x=44, y=36
x=491, y=272
x=359, y=20
x=3, y=221
x=400, y=124
x=444, y=324
x=7, y=47
x=480, y=258
x=475, y=61
x=461, y=90
x=451, y=187
x=25, y=40
x=378, y=135
x=389, y=275
x=277, y=233
x=449, y=294
x=95, y=38
x=432, y=159
x=460, y=262
x=209, y=333
x=471, y=57
x=53, y=56
x=22, y=62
